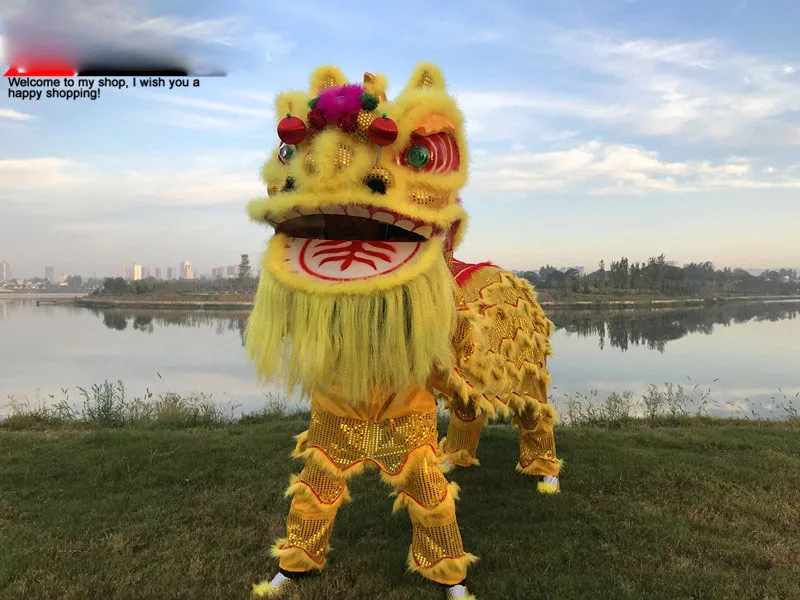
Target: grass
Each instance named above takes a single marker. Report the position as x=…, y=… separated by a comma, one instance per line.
x=171, y=497
x=698, y=509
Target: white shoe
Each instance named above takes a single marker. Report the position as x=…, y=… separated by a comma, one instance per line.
x=271, y=589
x=548, y=485
x=459, y=592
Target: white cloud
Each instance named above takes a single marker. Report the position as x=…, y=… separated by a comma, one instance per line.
x=2, y=50
x=55, y=186
x=601, y=169
x=14, y=115
x=701, y=89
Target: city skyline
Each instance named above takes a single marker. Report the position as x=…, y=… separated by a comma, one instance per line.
x=597, y=129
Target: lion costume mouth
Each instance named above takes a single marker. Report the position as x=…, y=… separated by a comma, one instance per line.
x=356, y=223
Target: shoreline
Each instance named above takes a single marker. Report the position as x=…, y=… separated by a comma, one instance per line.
x=111, y=302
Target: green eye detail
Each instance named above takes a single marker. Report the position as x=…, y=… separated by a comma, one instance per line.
x=285, y=152
x=417, y=156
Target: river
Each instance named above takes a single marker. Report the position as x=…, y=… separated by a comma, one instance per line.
x=744, y=352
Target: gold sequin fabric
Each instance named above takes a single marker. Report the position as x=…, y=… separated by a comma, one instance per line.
x=516, y=329
x=347, y=441
x=364, y=120
x=426, y=484
x=327, y=487
x=431, y=545
x=309, y=163
x=344, y=157
x=427, y=195
x=312, y=535
x=463, y=435
x=536, y=444
x=272, y=189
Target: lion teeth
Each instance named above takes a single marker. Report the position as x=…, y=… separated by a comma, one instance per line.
x=333, y=210
x=357, y=211
x=425, y=231
x=404, y=224
x=383, y=217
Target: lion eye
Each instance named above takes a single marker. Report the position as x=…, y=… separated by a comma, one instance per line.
x=417, y=156
x=285, y=153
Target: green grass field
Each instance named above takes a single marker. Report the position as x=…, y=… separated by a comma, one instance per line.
x=692, y=509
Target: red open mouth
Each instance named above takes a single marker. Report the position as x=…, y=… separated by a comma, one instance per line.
x=361, y=223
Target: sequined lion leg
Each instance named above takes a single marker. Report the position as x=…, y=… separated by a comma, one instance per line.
x=460, y=447
x=317, y=493
x=537, y=447
x=437, y=552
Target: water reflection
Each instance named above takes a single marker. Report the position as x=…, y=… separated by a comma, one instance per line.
x=146, y=321
x=654, y=328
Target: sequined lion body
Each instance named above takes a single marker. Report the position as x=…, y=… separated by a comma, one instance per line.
x=361, y=306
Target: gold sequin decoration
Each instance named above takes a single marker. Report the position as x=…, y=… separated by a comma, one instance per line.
x=388, y=443
x=463, y=413
x=464, y=434
x=383, y=174
x=426, y=484
x=426, y=195
x=310, y=163
x=312, y=535
x=533, y=445
x=328, y=82
x=429, y=545
x=427, y=80
x=364, y=120
x=327, y=486
x=272, y=189
x=344, y=157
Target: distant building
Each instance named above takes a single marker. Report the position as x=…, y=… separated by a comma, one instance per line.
x=145, y=272
x=233, y=271
x=170, y=273
x=158, y=273
x=50, y=274
x=136, y=272
x=5, y=272
x=187, y=270
x=62, y=278
x=673, y=263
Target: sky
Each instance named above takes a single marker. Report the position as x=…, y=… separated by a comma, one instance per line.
x=597, y=128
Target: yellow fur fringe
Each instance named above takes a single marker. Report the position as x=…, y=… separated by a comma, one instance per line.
x=297, y=556
x=449, y=571
x=319, y=342
x=541, y=466
x=265, y=589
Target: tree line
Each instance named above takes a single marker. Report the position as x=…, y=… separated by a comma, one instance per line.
x=657, y=276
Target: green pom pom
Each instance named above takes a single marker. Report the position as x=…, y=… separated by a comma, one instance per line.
x=369, y=102
x=383, y=115
x=288, y=114
x=312, y=104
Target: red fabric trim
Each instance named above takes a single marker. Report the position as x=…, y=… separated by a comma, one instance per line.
x=464, y=275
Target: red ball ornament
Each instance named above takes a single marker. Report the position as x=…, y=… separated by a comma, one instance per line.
x=317, y=118
x=382, y=131
x=291, y=130
x=348, y=123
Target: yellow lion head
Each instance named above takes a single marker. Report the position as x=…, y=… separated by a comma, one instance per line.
x=353, y=215
x=356, y=294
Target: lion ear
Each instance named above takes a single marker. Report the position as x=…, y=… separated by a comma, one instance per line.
x=326, y=77
x=295, y=103
x=426, y=75
x=376, y=85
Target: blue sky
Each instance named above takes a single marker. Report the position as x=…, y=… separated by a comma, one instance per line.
x=598, y=128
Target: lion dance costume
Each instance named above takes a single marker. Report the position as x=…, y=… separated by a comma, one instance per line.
x=362, y=307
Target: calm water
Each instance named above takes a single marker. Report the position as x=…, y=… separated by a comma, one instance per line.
x=752, y=350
